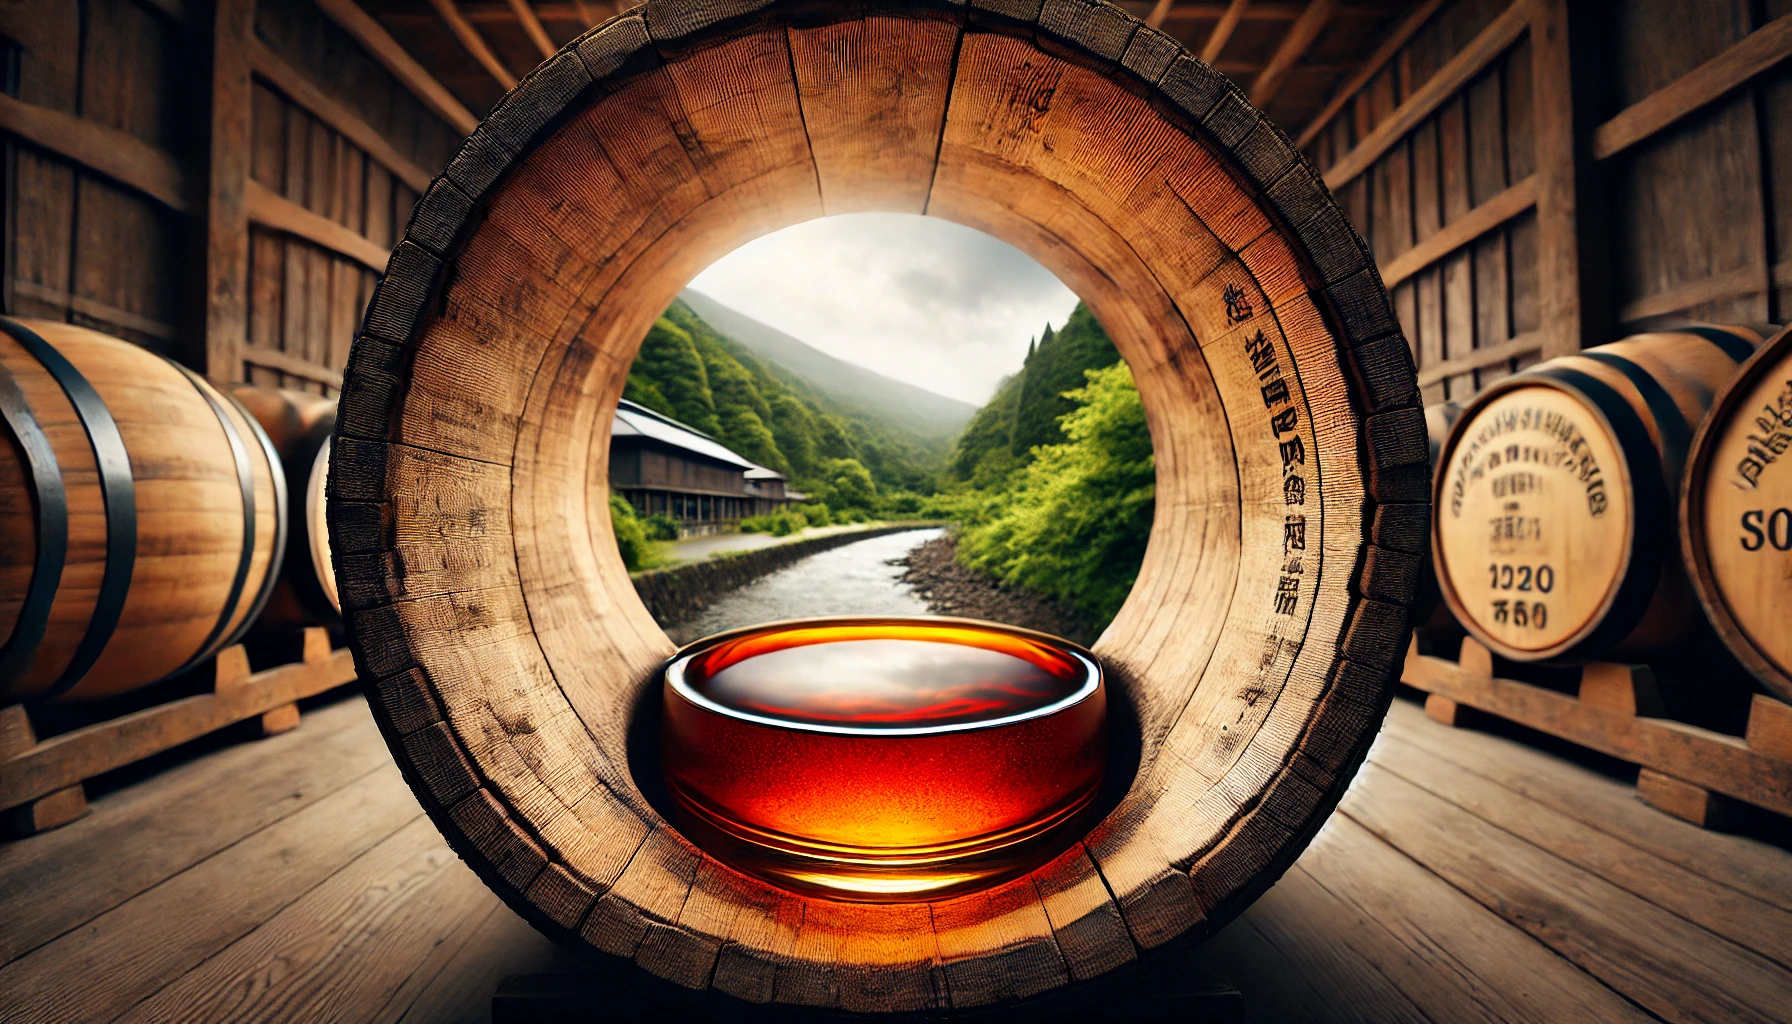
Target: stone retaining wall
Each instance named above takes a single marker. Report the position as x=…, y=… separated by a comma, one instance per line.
x=676, y=594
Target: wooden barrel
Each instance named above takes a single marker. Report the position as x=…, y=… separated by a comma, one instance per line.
x=299, y=424
x=1555, y=526
x=142, y=513
x=1736, y=515
x=514, y=671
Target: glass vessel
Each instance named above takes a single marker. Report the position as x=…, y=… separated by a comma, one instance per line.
x=883, y=759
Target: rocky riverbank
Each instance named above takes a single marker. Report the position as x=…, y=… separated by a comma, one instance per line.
x=948, y=588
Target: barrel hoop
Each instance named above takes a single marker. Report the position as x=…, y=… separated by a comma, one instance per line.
x=1670, y=422
x=117, y=487
x=245, y=478
x=1649, y=503
x=277, y=473
x=1732, y=346
x=17, y=655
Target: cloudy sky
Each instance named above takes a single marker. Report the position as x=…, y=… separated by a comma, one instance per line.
x=916, y=298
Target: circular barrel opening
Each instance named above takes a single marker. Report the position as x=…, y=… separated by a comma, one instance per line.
x=506, y=652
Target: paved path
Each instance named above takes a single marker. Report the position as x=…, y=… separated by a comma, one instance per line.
x=696, y=549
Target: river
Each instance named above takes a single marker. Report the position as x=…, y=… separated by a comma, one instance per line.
x=855, y=579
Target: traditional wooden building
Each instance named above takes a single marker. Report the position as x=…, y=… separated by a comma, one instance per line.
x=663, y=466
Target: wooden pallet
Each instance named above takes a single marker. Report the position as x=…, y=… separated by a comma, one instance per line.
x=41, y=783
x=1686, y=771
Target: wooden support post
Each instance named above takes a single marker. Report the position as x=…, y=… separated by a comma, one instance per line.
x=1623, y=689
x=230, y=669
x=281, y=719
x=1684, y=800
x=227, y=203
x=1476, y=660
x=1558, y=247
x=47, y=812
x=16, y=734
x=1770, y=727
x=1443, y=709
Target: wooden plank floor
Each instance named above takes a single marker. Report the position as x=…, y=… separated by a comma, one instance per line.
x=1467, y=877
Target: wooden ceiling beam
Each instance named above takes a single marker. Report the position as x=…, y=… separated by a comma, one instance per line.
x=1301, y=35
x=1160, y=12
x=1223, y=29
x=395, y=59
x=1390, y=46
x=532, y=28
x=473, y=42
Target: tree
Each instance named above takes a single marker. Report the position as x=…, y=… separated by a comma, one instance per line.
x=1056, y=367
x=793, y=425
x=848, y=484
x=642, y=391
x=1075, y=523
x=747, y=434
x=631, y=535
x=669, y=362
x=983, y=455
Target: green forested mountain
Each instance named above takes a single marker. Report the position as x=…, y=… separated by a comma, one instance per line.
x=1026, y=409
x=777, y=417
x=852, y=390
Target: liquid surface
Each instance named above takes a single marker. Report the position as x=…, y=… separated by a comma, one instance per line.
x=885, y=677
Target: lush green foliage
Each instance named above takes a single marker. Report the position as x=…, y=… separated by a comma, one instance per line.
x=847, y=484
x=688, y=370
x=661, y=526
x=1055, y=478
x=1055, y=369
x=1025, y=411
x=639, y=550
x=782, y=523
x=1073, y=523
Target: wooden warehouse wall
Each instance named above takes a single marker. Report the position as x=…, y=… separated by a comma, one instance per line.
x=1536, y=176
x=221, y=183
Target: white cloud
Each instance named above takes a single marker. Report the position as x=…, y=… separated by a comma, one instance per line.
x=919, y=299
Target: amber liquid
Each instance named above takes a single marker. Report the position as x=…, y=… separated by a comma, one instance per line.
x=883, y=759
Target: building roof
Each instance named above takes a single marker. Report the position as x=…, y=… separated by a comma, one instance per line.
x=634, y=420
x=761, y=473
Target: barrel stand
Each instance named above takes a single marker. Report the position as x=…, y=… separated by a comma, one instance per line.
x=1689, y=772
x=41, y=783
